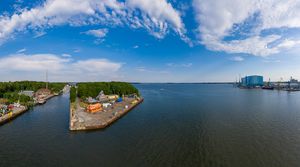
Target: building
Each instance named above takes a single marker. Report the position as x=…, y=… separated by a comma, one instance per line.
x=112, y=97
x=252, y=81
x=29, y=93
x=293, y=84
x=102, y=97
x=91, y=100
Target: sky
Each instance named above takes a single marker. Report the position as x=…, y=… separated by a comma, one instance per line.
x=149, y=40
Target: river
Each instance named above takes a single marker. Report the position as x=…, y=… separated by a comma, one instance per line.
x=176, y=125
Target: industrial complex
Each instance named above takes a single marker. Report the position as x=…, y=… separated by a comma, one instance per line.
x=257, y=81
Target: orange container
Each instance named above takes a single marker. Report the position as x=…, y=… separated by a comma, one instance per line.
x=94, y=107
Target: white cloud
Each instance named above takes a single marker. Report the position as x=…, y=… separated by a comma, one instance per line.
x=102, y=66
x=99, y=33
x=39, y=34
x=219, y=19
x=271, y=61
x=160, y=12
x=186, y=65
x=77, y=50
x=66, y=55
x=99, y=41
x=21, y=50
x=255, y=45
x=61, y=68
x=22, y=62
x=135, y=46
x=145, y=70
x=156, y=16
x=237, y=58
x=288, y=43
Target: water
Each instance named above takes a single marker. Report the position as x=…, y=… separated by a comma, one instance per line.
x=176, y=125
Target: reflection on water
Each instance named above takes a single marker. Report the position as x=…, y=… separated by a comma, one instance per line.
x=176, y=125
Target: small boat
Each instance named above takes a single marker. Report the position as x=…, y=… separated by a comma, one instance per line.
x=268, y=87
x=41, y=101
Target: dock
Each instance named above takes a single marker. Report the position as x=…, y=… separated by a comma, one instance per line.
x=13, y=114
x=43, y=101
x=17, y=111
x=82, y=120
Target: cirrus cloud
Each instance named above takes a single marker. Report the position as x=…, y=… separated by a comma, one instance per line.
x=254, y=26
x=99, y=33
x=237, y=58
x=156, y=16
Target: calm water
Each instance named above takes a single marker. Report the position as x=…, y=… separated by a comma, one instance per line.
x=177, y=125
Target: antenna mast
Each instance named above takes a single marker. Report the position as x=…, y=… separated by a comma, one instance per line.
x=46, y=79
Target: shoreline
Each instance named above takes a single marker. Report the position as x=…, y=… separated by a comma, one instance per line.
x=100, y=125
x=9, y=117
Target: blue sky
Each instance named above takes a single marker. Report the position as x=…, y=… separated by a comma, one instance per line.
x=149, y=40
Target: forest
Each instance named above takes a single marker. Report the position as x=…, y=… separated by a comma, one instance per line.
x=92, y=89
x=10, y=90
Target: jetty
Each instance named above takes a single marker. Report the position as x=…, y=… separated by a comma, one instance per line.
x=80, y=119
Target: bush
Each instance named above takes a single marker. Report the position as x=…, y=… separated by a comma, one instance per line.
x=13, y=97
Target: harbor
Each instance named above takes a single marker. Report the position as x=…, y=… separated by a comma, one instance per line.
x=17, y=97
x=96, y=105
x=250, y=125
x=11, y=111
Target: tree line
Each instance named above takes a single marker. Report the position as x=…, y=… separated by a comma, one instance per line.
x=72, y=94
x=10, y=90
x=92, y=89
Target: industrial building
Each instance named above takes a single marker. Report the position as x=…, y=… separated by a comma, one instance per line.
x=252, y=81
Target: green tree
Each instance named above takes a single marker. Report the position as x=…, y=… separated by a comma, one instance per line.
x=73, y=94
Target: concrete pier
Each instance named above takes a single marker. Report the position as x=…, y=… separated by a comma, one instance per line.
x=82, y=120
x=13, y=114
